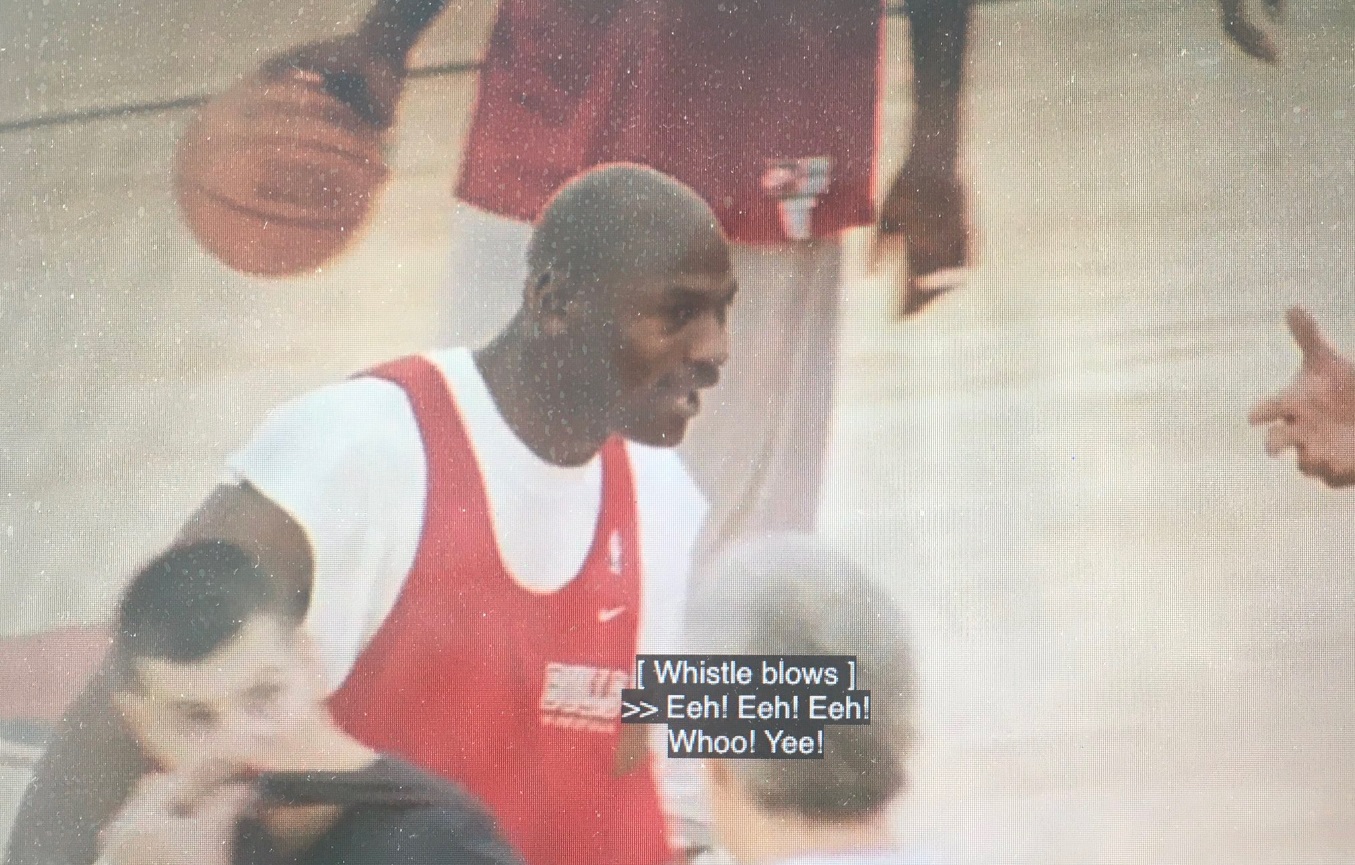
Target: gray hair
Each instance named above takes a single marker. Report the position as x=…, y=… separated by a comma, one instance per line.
x=789, y=594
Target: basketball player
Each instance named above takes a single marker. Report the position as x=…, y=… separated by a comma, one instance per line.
x=769, y=110
x=786, y=594
x=1315, y=415
x=215, y=679
x=481, y=554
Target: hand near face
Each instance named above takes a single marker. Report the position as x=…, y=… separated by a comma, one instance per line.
x=1315, y=414
x=176, y=819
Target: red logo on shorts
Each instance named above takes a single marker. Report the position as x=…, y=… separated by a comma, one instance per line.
x=797, y=183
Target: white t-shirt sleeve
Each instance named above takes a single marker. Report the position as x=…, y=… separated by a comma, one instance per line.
x=346, y=462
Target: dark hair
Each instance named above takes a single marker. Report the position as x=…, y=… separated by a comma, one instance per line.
x=189, y=602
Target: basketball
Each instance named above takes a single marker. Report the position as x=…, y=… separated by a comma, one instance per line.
x=277, y=177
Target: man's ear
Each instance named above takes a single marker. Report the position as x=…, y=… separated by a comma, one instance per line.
x=547, y=300
x=124, y=702
x=133, y=709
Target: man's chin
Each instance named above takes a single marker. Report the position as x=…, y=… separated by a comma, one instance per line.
x=659, y=435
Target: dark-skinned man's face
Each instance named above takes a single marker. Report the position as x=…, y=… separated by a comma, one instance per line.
x=664, y=337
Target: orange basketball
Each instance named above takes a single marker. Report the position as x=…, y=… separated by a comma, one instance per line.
x=277, y=177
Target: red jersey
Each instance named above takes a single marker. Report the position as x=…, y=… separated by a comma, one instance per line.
x=513, y=693
x=712, y=93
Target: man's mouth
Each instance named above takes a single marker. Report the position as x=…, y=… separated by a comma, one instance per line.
x=689, y=403
x=683, y=399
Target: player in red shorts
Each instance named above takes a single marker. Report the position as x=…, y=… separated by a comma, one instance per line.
x=482, y=553
x=769, y=110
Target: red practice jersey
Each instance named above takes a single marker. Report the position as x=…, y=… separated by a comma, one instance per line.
x=515, y=694
x=712, y=93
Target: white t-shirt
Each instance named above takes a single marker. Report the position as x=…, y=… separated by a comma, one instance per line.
x=347, y=462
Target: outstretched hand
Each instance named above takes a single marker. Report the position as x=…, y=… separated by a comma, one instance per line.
x=1315, y=415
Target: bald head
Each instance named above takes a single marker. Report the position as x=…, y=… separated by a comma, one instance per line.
x=623, y=316
x=616, y=221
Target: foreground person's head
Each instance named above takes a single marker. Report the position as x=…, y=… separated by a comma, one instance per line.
x=788, y=594
x=211, y=665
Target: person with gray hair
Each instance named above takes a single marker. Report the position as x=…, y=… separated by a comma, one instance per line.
x=789, y=594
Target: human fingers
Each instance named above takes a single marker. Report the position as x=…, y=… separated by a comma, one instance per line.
x=1281, y=406
x=197, y=783
x=225, y=804
x=1280, y=438
x=1307, y=335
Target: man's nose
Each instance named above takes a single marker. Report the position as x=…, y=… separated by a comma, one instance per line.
x=710, y=341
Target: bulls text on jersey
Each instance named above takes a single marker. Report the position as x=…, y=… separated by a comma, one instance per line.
x=577, y=696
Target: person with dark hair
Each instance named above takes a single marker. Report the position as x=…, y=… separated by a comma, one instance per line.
x=188, y=603
x=214, y=677
x=483, y=541
x=789, y=594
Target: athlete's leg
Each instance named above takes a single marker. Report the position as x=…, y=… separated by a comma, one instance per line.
x=486, y=271
x=757, y=449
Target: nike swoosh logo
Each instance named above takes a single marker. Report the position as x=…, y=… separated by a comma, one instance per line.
x=605, y=616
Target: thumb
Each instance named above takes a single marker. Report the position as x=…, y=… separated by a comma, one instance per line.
x=197, y=782
x=227, y=804
x=1308, y=336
